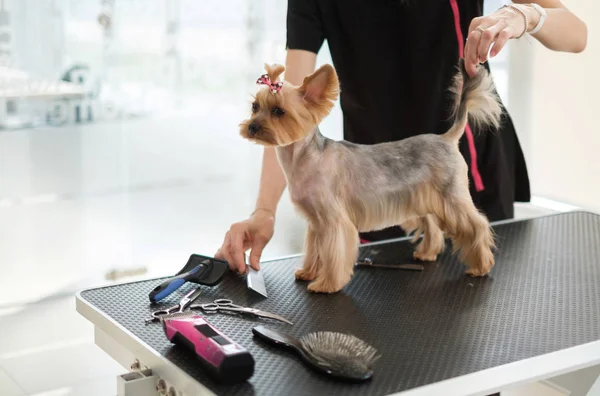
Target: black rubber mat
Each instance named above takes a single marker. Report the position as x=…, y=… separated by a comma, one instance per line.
x=543, y=295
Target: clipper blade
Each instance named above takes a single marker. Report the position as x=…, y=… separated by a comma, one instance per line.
x=178, y=315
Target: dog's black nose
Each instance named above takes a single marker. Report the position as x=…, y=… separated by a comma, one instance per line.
x=253, y=129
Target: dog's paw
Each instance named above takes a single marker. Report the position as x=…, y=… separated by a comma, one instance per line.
x=481, y=270
x=319, y=287
x=476, y=272
x=303, y=275
x=323, y=285
x=424, y=256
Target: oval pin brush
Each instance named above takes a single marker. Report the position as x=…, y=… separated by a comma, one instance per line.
x=339, y=355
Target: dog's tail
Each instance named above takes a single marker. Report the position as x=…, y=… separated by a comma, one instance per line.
x=476, y=101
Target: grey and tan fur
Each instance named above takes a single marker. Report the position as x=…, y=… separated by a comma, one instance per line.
x=342, y=188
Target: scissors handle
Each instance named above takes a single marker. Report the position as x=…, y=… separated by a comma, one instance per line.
x=157, y=314
x=221, y=304
x=160, y=313
x=210, y=307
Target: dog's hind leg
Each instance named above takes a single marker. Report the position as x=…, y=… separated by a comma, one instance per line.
x=432, y=242
x=471, y=234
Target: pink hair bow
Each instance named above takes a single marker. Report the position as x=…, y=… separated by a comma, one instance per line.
x=266, y=80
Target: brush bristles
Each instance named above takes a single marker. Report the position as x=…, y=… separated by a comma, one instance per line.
x=342, y=352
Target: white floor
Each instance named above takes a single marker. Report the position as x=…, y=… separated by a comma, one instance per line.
x=79, y=202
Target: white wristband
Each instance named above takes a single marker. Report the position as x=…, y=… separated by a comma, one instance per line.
x=543, y=16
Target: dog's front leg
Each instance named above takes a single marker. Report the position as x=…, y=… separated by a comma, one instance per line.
x=310, y=267
x=337, y=249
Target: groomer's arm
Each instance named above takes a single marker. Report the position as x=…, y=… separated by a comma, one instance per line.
x=255, y=232
x=561, y=31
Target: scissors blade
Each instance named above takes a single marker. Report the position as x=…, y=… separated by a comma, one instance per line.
x=267, y=315
x=189, y=298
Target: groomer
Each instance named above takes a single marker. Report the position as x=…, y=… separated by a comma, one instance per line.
x=395, y=60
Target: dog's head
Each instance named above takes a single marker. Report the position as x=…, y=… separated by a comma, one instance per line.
x=282, y=113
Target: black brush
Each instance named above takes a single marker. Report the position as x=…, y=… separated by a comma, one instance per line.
x=339, y=355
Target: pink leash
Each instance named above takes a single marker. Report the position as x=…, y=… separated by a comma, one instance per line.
x=470, y=140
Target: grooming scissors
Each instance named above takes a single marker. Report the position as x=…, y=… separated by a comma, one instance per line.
x=225, y=305
x=185, y=303
x=367, y=262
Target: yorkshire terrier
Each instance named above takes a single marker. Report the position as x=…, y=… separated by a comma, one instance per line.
x=419, y=183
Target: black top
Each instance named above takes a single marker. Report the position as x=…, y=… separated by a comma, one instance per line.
x=395, y=60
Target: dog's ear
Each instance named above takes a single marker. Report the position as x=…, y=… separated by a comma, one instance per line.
x=321, y=87
x=274, y=71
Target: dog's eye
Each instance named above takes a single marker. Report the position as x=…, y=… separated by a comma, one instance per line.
x=255, y=107
x=278, y=111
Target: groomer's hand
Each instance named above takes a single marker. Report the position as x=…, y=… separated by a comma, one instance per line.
x=488, y=34
x=253, y=233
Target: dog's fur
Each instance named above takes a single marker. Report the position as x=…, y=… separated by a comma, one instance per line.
x=342, y=188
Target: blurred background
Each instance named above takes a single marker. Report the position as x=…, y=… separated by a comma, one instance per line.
x=120, y=154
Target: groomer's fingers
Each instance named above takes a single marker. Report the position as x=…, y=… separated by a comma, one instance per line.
x=471, y=67
x=470, y=55
x=225, y=251
x=258, y=245
x=238, y=233
x=501, y=40
x=488, y=36
x=476, y=22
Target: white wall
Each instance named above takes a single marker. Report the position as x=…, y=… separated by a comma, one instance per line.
x=554, y=100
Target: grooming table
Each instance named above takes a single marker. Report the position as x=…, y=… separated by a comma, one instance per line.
x=439, y=331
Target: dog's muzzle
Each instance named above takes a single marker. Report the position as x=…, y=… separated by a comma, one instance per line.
x=253, y=129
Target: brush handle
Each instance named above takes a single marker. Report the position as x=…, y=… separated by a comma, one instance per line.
x=278, y=338
x=216, y=269
x=288, y=341
x=170, y=285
